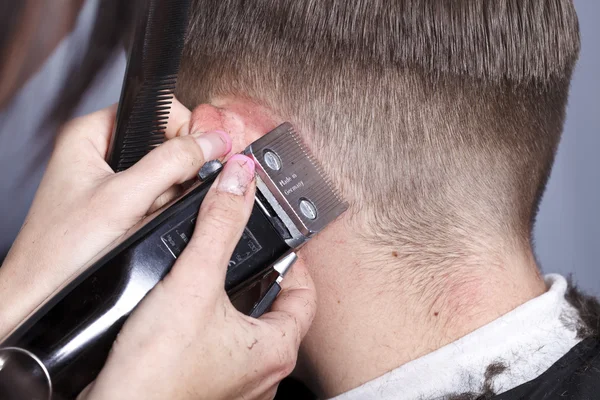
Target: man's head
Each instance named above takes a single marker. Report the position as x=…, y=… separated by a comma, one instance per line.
x=438, y=120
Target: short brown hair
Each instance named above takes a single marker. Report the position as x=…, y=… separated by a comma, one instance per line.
x=438, y=118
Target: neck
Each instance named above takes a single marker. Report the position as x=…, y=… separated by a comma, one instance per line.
x=374, y=316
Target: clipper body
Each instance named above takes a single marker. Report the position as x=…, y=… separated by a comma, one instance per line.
x=63, y=345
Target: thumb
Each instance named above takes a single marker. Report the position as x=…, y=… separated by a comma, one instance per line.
x=173, y=162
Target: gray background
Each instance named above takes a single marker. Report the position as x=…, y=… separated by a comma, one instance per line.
x=26, y=140
x=567, y=234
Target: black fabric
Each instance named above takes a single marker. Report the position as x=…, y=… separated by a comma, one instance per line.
x=576, y=376
x=292, y=389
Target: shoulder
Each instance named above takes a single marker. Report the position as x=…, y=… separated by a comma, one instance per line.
x=589, y=311
x=577, y=374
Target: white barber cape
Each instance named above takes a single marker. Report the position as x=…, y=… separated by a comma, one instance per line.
x=526, y=341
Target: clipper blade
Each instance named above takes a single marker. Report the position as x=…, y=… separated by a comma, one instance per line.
x=293, y=182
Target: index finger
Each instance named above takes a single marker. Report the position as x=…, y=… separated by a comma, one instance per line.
x=223, y=216
x=285, y=326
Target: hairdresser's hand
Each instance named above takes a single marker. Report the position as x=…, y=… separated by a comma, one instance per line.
x=81, y=206
x=186, y=340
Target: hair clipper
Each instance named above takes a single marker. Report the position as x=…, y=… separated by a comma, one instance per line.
x=62, y=346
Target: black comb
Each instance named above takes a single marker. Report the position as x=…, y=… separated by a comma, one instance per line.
x=150, y=80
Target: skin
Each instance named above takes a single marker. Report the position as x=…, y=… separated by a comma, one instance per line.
x=185, y=340
x=374, y=313
x=49, y=249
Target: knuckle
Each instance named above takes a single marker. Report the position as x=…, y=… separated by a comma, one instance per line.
x=79, y=125
x=180, y=152
x=294, y=329
x=271, y=393
x=74, y=124
x=68, y=130
x=287, y=363
x=283, y=359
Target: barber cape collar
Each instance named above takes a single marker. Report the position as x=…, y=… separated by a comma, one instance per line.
x=508, y=352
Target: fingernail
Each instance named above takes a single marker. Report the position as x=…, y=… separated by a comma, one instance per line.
x=237, y=175
x=214, y=144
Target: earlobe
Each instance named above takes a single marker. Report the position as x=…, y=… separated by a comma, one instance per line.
x=206, y=118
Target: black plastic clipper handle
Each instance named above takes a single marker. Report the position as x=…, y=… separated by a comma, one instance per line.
x=72, y=333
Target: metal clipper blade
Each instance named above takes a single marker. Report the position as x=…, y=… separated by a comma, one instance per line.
x=294, y=184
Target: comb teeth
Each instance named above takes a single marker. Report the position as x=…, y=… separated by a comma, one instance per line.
x=150, y=81
x=147, y=122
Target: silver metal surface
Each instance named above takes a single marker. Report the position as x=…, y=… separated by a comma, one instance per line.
x=283, y=266
x=23, y=376
x=299, y=192
x=272, y=160
x=209, y=169
x=297, y=237
x=308, y=209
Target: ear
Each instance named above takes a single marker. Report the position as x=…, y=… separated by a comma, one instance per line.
x=242, y=119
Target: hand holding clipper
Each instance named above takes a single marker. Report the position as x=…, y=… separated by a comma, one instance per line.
x=66, y=342
x=205, y=344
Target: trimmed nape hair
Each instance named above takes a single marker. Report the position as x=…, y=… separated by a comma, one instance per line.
x=438, y=119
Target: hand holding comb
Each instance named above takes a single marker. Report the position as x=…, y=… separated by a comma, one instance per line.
x=150, y=80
